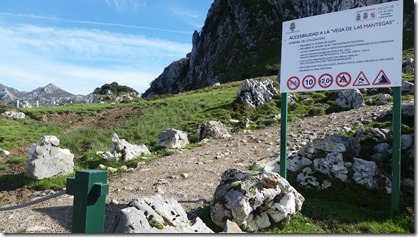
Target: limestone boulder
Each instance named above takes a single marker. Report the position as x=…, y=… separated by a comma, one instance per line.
x=408, y=111
x=408, y=87
x=46, y=159
x=172, y=138
x=156, y=214
x=407, y=141
x=335, y=157
x=350, y=99
x=408, y=67
x=25, y=104
x=212, y=129
x=256, y=93
x=13, y=115
x=120, y=149
x=367, y=173
x=381, y=152
x=254, y=200
x=231, y=227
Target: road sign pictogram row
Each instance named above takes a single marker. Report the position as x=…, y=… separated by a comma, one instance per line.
x=342, y=80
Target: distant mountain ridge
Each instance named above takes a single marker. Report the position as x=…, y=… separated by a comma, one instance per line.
x=42, y=96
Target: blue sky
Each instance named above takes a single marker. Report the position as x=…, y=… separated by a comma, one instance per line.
x=82, y=44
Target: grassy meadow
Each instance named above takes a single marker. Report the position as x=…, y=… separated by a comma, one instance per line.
x=87, y=128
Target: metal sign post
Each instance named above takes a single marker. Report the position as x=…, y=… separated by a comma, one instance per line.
x=89, y=188
x=396, y=148
x=343, y=50
x=283, y=136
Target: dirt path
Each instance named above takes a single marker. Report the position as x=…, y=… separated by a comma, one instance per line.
x=189, y=176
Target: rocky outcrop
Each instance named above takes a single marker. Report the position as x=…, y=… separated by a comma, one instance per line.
x=350, y=99
x=120, y=149
x=408, y=67
x=337, y=157
x=254, y=200
x=256, y=93
x=14, y=115
x=168, y=82
x=212, y=129
x=47, y=160
x=172, y=138
x=408, y=87
x=156, y=214
x=242, y=39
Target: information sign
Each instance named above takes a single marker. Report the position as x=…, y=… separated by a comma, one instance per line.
x=343, y=49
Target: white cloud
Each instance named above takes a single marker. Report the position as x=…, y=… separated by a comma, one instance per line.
x=127, y=5
x=95, y=23
x=183, y=12
x=84, y=44
x=79, y=60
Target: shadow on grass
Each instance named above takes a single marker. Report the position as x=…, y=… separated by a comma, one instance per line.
x=10, y=182
x=347, y=205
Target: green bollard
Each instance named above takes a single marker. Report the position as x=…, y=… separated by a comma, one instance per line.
x=89, y=188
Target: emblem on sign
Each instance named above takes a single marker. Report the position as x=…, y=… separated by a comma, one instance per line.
x=292, y=26
x=365, y=16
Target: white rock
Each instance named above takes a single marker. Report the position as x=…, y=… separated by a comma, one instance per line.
x=46, y=159
x=155, y=214
x=121, y=149
x=172, y=138
x=250, y=200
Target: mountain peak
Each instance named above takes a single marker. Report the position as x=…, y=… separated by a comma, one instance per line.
x=51, y=88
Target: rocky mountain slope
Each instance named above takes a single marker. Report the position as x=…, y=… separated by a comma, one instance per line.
x=242, y=39
x=45, y=96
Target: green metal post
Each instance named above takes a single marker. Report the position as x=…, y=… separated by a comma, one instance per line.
x=283, y=136
x=89, y=188
x=396, y=149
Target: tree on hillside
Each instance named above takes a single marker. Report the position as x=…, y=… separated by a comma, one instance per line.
x=114, y=88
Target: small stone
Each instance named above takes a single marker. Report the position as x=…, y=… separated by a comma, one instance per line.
x=231, y=227
x=185, y=175
x=112, y=170
x=114, y=201
x=37, y=229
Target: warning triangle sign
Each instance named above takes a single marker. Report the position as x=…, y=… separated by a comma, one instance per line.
x=381, y=79
x=361, y=80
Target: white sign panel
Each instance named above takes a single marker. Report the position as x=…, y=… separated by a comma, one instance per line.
x=357, y=48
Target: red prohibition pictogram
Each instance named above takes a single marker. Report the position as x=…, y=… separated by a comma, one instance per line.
x=325, y=80
x=361, y=80
x=343, y=79
x=309, y=82
x=293, y=83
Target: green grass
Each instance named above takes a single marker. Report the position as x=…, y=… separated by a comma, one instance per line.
x=17, y=160
x=19, y=133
